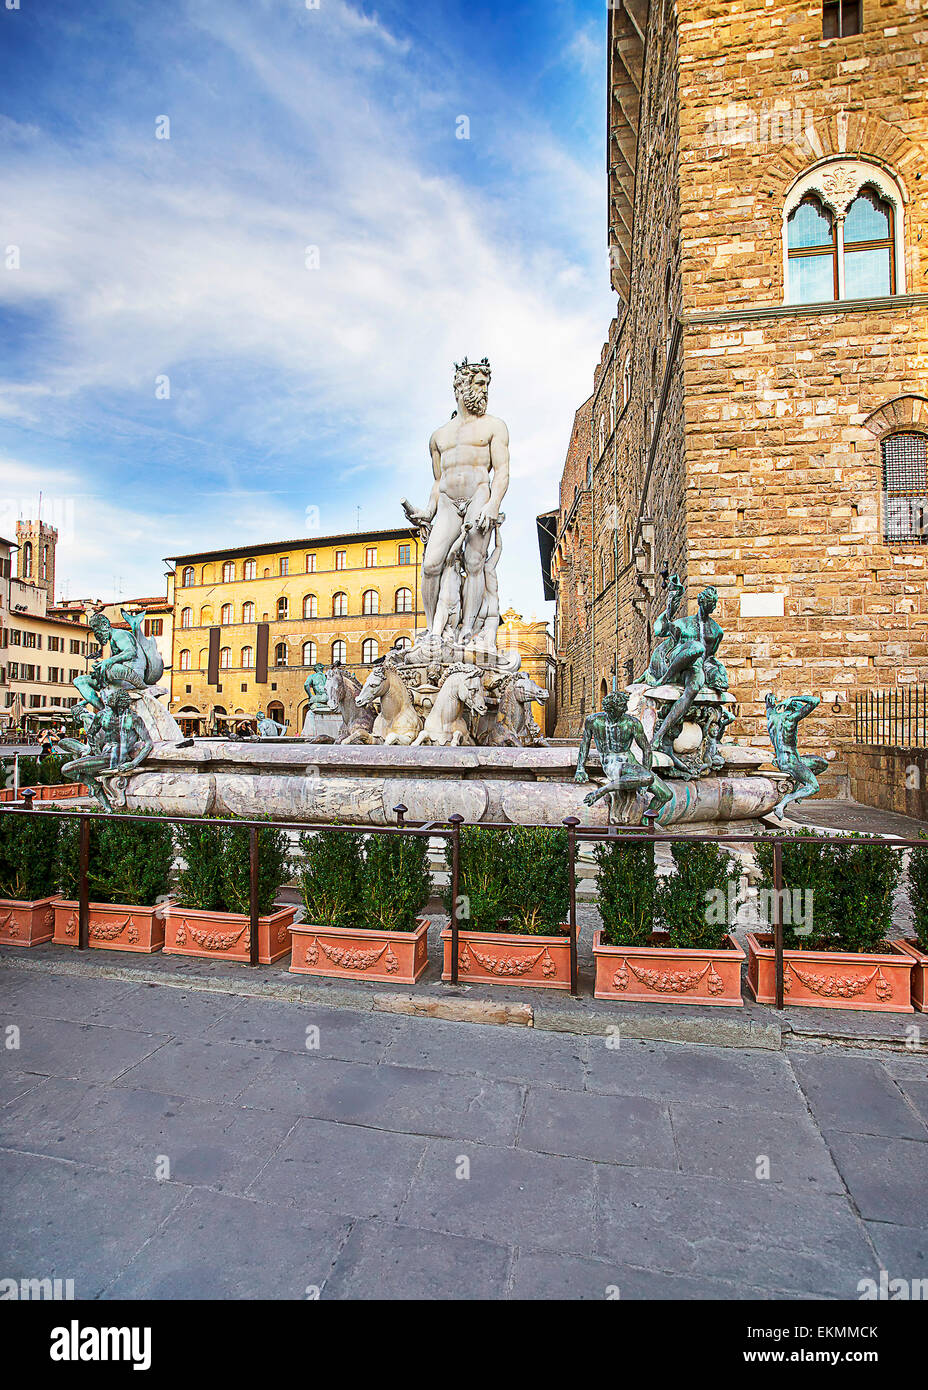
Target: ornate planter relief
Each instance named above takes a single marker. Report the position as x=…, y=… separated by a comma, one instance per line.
x=668, y=974
x=833, y=979
x=395, y=957
x=112, y=926
x=26, y=923
x=507, y=957
x=190, y=932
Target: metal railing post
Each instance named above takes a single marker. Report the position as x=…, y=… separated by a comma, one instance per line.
x=400, y=813
x=83, y=885
x=572, y=822
x=455, y=821
x=778, y=918
x=253, y=895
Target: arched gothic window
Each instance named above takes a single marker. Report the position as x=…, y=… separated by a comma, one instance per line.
x=843, y=234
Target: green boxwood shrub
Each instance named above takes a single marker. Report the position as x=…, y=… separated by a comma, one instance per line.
x=515, y=879
x=483, y=878
x=29, y=855
x=690, y=905
x=395, y=884
x=690, y=908
x=216, y=875
x=852, y=883
x=50, y=770
x=28, y=771
x=539, y=880
x=331, y=877
x=199, y=877
x=865, y=879
x=130, y=861
x=627, y=891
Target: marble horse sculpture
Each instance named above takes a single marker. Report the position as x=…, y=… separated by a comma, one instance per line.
x=342, y=691
x=397, y=721
x=461, y=693
x=783, y=728
x=614, y=730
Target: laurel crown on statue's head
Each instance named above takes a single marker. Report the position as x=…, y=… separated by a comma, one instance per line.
x=465, y=368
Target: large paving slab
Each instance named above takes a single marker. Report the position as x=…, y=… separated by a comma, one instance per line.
x=64, y=1221
x=217, y=1246
x=856, y=1094
x=744, y=1232
x=413, y=1100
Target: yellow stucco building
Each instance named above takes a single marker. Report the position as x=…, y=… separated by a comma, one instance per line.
x=251, y=622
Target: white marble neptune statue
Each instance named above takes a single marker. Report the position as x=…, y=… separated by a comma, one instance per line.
x=470, y=463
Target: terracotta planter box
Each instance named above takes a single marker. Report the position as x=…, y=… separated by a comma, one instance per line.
x=113, y=926
x=919, y=973
x=225, y=935
x=668, y=974
x=509, y=958
x=43, y=793
x=832, y=979
x=25, y=923
x=393, y=957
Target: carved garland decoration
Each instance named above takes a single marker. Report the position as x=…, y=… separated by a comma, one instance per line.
x=669, y=981
x=104, y=931
x=507, y=965
x=349, y=958
x=7, y=921
x=838, y=986
x=210, y=941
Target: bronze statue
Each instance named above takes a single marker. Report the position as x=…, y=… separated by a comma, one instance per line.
x=692, y=662
x=614, y=731
x=783, y=728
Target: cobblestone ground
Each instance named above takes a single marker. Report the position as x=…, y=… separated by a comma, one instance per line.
x=169, y=1144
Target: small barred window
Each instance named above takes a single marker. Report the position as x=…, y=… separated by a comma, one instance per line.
x=905, y=488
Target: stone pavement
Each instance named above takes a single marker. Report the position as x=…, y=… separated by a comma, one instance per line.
x=851, y=815
x=157, y=1142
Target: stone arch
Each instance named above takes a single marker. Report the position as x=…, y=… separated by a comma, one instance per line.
x=845, y=134
x=898, y=414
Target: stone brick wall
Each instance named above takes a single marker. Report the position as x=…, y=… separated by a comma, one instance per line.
x=893, y=779
x=786, y=407
x=571, y=568
x=766, y=476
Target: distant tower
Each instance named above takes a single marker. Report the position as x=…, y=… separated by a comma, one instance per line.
x=35, y=559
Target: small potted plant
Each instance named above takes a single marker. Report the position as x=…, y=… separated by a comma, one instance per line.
x=209, y=915
x=28, y=877
x=129, y=873
x=362, y=906
x=918, y=949
x=694, y=959
x=837, y=908
x=513, y=899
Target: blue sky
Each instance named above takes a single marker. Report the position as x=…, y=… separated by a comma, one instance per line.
x=301, y=383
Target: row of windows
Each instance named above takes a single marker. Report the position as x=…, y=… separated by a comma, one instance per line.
x=370, y=605
x=309, y=654
x=24, y=671
x=33, y=640
x=250, y=567
x=39, y=701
